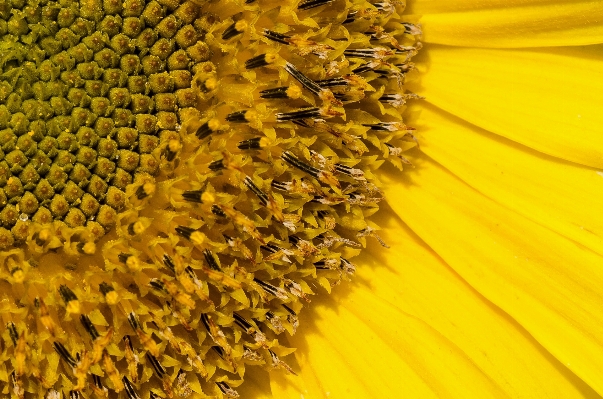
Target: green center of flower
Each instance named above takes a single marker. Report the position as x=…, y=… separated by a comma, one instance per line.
x=87, y=91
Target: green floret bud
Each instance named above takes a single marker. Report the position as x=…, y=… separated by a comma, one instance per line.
x=5, y=173
x=44, y=190
x=8, y=140
x=89, y=205
x=51, y=45
x=199, y=52
x=146, y=123
x=5, y=90
x=147, y=143
x=137, y=84
x=121, y=179
x=29, y=177
x=167, y=120
x=161, y=83
x=6, y=238
x=165, y=102
x=13, y=188
x=79, y=174
x=126, y=137
x=187, y=12
x=87, y=136
x=178, y=60
x=115, y=198
x=106, y=58
x=106, y=216
x=187, y=36
x=122, y=117
x=67, y=141
x=122, y=44
x=72, y=78
x=112, y=7
x=66, y=16
x=101, y=106
x=115, y=78
x=168, y=27
x=96, y=88
x=132, y=27
x=37, y=130
x=146, y=39
x=59, y=206
x=119, y=97
x=19, y=123
x=81, y=53
x=133, y=8
x=86, y=156
x=130, y=64
x=26, y=144
x=49, y=145
x=186, y=98
x=61, y=106
x=141, y=104
x=13, y=103
x=128, y=160
x=104, y=168
x=153, y=13
x=89, y=70
x=148, y=164
x=29, y=203
x=17, y=160
x=72, y=192
x=104, y=126
x=97, y=186
x=107, y=148
x=182, y=79
x=81, y=117
x=75, y=218
x=42, y=216
x=67, y=38
x=152, y=64
x=169, y=4
x=3, y=199
x=65, y=159
x=9, y=215
x=78, y=97
x=56, y=176
x=111, y=25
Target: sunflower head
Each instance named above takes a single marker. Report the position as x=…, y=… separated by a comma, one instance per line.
x=177, y=178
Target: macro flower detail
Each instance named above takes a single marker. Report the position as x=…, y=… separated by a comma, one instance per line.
x=180, y=177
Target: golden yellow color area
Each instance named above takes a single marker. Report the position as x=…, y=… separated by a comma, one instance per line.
x=180, y=177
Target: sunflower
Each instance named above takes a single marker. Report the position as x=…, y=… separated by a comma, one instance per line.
x=179, y=178
x=492, y=284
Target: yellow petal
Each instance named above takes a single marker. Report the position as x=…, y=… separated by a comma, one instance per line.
x=550, y=285
x=513, y=24
x=559, y=195
x=408, y=315
x=549, y=101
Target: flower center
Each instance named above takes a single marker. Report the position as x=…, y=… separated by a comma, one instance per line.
x=178, y=178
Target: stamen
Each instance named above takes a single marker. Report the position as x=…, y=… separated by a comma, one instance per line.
x=235, y=29
x=211, y=261
x=65, y=355
x=308, y=4
x=260, y=61
x=250, y=144
x=304, y=80
x=85, y=320
x=159, y=370
x=310, y=113
x=256, y=190
x=129, y=388
x=277, y=37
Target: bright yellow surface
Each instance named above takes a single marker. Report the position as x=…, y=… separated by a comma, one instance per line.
x=511, y=24
x=548, y=99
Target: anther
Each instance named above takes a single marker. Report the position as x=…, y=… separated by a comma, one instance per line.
x=12, y=331
x=260, y=61
x=159, y=370
x=216, y=210
x=277, y=37
x=64, y=353
x=216, y=166
x=377, y=53
x=145, y=190
x=193, y=196
x=133, y=320
x=308, y=4
x=185, y=232
x=307, y=113
x=211, y=261
x=263, y=197
x=158, y=285
x=172, y=149
x=291, y=92
x=304, y=167
x=227, y=390
x=129, y=388
x=207, y=128
x=333, y=82
x=352, y=172
x=271, y=289
x=85, y=320
x=250, y=144
x=169, y=263
x=235, y=29
x=238, y=117
x=351, y=17
x=303, y=79
x=74, y=394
